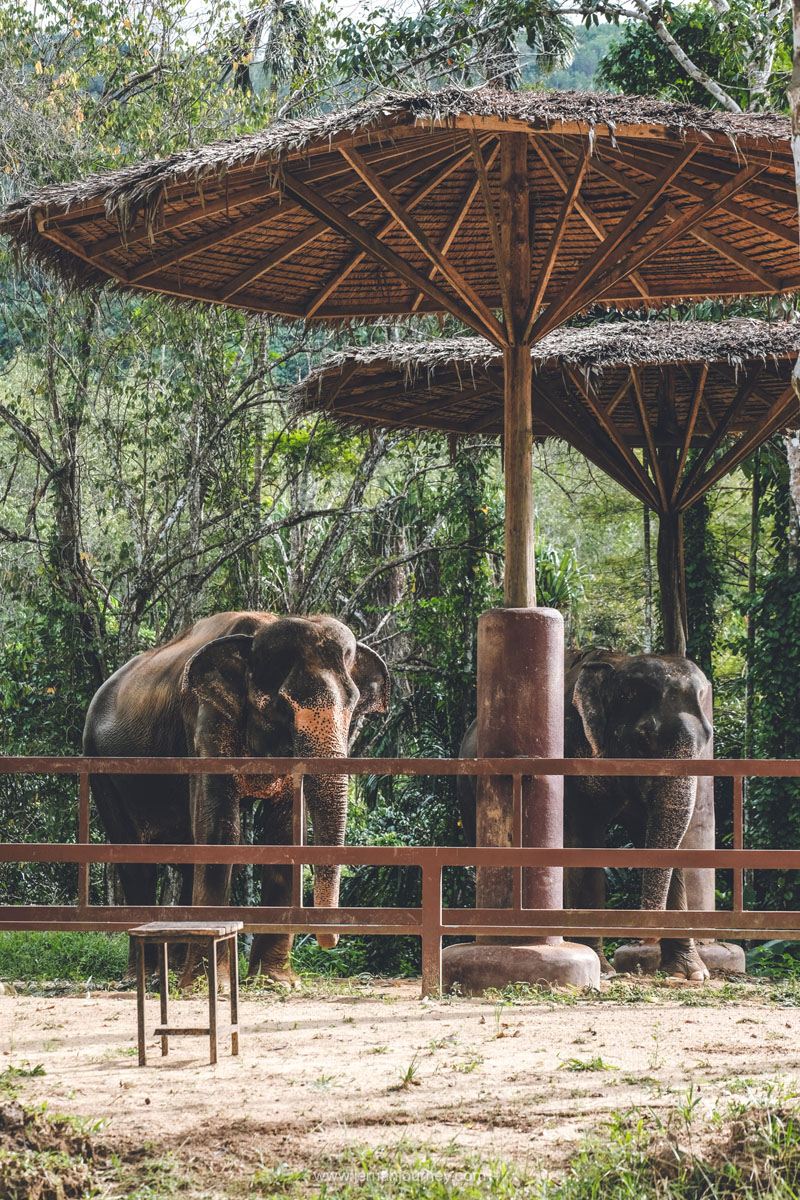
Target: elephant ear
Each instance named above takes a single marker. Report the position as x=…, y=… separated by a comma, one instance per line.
x=371, y=676
x=217, y=675
x=590, y=697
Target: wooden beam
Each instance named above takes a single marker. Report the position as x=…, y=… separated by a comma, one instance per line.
x=229, y=201
x=67, y=243
x=462, y=209
x=482, y=175
x=630, y=228
x=554, y=245
x=716, y=171
x=337, y=277
x=760, y=430
x=750, y=265
x=729, y=416
x=461, y=286
x=598, y=449
x=611, y=429
x=318, y=206
x=691, y=421
x=637, y=256
x=219, y=236
x=585, y=211
x=619, y=395
x=655, y=464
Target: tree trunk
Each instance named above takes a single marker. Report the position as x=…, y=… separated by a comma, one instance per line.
x=648, y=584
x=669, y=555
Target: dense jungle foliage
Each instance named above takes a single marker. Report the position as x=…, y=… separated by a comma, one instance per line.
x=153, y=470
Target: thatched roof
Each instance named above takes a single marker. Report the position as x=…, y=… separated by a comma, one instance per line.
x=607, y=389
x=247, y=221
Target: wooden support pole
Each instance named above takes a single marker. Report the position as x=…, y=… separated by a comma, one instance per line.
x=520, y=583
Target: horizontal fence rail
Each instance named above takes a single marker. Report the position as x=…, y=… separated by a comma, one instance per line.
x=430, y=921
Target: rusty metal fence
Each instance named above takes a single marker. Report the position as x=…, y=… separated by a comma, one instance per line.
x=431, y=922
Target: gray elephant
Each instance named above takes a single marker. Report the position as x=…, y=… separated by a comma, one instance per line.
x=234, y=685
x=626, y=706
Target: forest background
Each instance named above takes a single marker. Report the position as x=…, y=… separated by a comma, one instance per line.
x=154, y=469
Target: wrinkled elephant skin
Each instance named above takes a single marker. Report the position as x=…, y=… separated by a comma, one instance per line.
x=626, y=706
x=234, y=685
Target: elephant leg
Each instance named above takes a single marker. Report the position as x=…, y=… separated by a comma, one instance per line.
x=139, y=883
x=215, y=821
x=585, y=887
x=270, y=952
x=679, y=956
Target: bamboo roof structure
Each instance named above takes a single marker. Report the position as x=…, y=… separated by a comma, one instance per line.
x=511, y=211
x=395, y=206
x=608, y=389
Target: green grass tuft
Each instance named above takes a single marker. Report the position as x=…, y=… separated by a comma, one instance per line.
x=69, y=956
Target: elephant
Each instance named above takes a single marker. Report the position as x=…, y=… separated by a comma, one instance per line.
x=236, y=684
x=626, y=706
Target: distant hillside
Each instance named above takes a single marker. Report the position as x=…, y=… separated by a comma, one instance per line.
x=592, y=45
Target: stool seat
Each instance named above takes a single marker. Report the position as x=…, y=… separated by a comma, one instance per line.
x=162, y=933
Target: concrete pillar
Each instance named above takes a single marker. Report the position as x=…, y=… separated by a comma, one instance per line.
x=520, y=713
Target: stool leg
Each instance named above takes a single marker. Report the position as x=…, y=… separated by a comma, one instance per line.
x=234, y=968
x=163, y=988
x=212, y=998
x=140, y=987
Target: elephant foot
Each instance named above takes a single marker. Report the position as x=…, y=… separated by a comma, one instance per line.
x=277, y=977
x=683, y=962
x=606, y=968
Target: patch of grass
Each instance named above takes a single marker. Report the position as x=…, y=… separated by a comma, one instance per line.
x=63, y=955
x=587, y=1064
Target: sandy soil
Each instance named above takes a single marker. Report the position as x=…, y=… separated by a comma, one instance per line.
x=318, y=1074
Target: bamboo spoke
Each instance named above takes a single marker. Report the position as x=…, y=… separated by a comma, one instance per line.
x=554, y=246
x=337, y=277
x=729, y=416
x=278, y=211
x=462, y=209
x=318, y=206
x=631, y=228
x=482, y=174
x=691, y=421
x=598, y=449
x=655, y=245
x=720, y=245
x=581, y=207
x=759, y=431
x=420, y=239
x=255, y=193
x=610, y=427
x=655, y=463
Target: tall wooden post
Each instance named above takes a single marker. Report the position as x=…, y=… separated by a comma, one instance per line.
x=520, y=661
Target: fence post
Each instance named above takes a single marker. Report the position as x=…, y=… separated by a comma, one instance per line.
x=738, y=831
x=83, y=838
x=298, y=832
x=431, y=929
x=516, y=841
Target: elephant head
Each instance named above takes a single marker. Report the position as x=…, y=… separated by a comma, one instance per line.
x=298, y=687
x=648, y=706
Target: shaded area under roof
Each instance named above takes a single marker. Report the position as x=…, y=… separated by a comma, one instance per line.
x=608, y=389
x=394, y=206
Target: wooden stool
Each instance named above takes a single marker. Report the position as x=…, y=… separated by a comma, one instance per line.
x=163, y=932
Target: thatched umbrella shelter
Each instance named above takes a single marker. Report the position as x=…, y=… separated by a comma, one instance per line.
x=540, y=205
x=609, y=390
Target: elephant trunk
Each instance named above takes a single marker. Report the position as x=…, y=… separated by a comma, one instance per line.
x=670, y=808
x=327, y=804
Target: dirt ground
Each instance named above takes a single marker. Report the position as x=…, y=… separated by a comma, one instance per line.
x=376, y=1066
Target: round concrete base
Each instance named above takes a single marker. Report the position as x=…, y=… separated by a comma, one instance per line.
x=646, y=958
x=474, y=968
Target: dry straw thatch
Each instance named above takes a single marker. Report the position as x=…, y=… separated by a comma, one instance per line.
x=607, y=389
x=225, y=223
